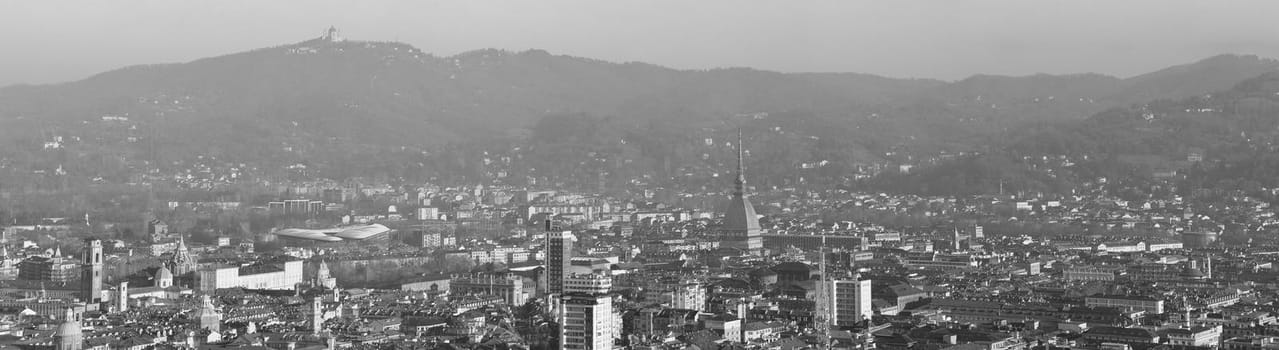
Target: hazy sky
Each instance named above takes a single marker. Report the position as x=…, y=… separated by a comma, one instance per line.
x=52, y=41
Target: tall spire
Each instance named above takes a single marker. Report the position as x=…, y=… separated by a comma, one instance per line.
x=741, y=166
x=741, y=224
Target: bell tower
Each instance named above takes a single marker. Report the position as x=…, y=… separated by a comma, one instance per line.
x=91, y=272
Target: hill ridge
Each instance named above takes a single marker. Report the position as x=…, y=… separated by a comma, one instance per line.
x=296, y=101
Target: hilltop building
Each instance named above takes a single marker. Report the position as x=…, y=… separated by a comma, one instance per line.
x=332, y=35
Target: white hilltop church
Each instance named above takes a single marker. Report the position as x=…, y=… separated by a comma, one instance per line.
x=332, y=35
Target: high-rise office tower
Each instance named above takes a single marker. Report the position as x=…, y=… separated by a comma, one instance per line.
x=588, y=321
x=559, y=256
x=851, y=301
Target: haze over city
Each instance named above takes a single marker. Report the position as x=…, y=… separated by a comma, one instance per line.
x=59, y=41
x=606, y=175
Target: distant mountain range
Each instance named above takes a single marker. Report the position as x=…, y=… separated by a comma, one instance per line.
x=1227, y=140
x=334, y=103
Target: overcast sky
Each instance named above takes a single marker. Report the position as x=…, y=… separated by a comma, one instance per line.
x=52, y=41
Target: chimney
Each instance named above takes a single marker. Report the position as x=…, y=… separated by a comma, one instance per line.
x=951, y=339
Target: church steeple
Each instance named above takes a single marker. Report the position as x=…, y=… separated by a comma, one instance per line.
x=740, y=182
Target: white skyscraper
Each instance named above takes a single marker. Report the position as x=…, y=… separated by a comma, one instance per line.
x=588, y=321
x=851, y=301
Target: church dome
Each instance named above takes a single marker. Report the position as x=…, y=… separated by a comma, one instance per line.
x=163, y=274
x=69, y=327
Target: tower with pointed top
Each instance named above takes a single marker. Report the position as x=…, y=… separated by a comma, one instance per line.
x=741, y=225
x=181, y=263
x=91, y=272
